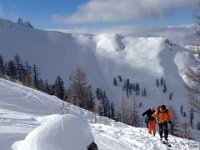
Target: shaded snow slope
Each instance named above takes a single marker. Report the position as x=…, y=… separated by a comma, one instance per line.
x=22, y=128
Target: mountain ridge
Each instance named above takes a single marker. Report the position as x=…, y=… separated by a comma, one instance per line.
x=105, y=51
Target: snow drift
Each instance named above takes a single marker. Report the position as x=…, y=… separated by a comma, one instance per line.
x=59, y=132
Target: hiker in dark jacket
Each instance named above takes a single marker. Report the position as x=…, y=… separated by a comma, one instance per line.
x=150, y=121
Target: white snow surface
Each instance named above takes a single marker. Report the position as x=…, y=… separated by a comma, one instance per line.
x=102, y=57
x=23, y=126
x=58, y=132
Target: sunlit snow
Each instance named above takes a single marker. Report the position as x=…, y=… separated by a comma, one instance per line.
x=25, y=129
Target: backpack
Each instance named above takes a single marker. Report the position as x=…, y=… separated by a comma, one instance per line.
x=148, y=118
x=92, y=146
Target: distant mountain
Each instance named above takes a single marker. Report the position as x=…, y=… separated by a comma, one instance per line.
x=24, y=23
x=142, y=60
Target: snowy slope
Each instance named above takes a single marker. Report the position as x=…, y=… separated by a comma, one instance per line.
x=59, y=54
x=103, y=57
x=27, y=115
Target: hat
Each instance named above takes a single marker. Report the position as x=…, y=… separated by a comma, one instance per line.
x=163, y=107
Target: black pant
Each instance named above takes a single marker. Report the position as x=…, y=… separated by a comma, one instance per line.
x=163, y=128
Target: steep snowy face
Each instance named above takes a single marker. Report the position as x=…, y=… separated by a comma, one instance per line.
x=148, y=55
x=135, y=54
x=72, y=50
x=102, y=57
x=142, y=60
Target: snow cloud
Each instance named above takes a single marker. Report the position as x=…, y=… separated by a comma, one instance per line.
x=122, y=10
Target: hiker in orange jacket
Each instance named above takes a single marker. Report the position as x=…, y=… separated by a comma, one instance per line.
x=150, y=121
x=164, y=116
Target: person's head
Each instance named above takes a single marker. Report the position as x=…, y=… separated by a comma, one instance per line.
x=162, y=108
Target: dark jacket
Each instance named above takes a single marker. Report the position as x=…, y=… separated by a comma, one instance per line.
x=149, y=114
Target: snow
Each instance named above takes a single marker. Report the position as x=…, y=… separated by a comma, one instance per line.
x=103, y=57
x=68, y=127
x=59, y=132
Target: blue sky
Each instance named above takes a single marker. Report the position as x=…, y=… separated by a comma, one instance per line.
x=49, y=14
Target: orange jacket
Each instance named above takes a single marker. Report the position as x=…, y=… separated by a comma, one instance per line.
x=163, y=115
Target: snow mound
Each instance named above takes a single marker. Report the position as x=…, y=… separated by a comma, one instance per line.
x=60, y=132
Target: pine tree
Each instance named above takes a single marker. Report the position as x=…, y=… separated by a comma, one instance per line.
x=157, y=82
x=198, y=125
x=181, y=110
x=18, y=65
x=115, y=81
x=11, y=71
x=36, y=77
x=137, y=89
x=59, y=89
x=164, y=87
x=161, y=81
x=98, y=93
x=144, y=93
x=120, y=78
x=2, y=67
x=112, y=109
x=170, y=95
x=47, y=88
x=104, y=104
x=191, y=117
